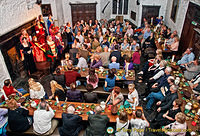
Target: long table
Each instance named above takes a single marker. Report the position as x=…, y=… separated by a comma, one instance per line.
x=183, y=87
x=102, y=75
x=59, y=110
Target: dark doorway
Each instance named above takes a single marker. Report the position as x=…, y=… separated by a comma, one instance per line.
x=150, y=11
x=191, y=29
x=84, y=12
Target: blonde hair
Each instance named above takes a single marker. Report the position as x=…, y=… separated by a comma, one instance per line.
x=55, y=85
x=114, y=59
x=159, y=51
x=12, y=104
x=99, y=49
x=96, y=56
x=180, y=117
x=36, y=86
x=131, y=86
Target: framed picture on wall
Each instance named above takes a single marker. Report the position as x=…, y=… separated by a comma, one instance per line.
x=174, y=9
x=46, y=9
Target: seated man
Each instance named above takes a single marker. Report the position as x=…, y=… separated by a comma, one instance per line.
x=97, y=123
x=71, y=123
x=139, y=123
x=105, y=43
x=71, y=77
x=187, y=57
x=114, y=64
x=9, y=89
x=84, y=52
x=72, y=53
x=44, y=124
x=192, y=69
x=82, y=63
x=166, y=103
x=159, y=95
x=161, y=82
x=116, y=53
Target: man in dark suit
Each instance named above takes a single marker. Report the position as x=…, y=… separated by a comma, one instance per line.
x=116, y=53
x=97, y=123
x=71, y=123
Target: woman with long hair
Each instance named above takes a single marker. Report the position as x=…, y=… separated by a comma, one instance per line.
x=27, y=56
x=110, y=80
x=36, y=90
x=92, y=78
x=57, y=90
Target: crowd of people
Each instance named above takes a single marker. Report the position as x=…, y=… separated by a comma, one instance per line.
x=94, y=45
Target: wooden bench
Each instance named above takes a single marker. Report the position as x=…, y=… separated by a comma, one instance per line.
x=100, y=90
x=27, y=132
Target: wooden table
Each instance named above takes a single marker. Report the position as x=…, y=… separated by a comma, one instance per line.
x=84, y=72
x=180, y=96
x=59, y=110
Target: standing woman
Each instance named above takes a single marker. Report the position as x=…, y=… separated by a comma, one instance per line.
x=27, y=56
x=40, y=32
x=24, y=34
x=49, y=21
x=40, y=18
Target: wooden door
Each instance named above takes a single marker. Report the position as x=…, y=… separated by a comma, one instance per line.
x=150, y=11
x=188, y=33
x=84, y=12
x=196, y=42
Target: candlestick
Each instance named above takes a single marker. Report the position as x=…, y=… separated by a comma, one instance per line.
x=57, y=100
x=134, y=105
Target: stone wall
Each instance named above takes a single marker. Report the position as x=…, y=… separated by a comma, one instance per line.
x=14, y=13
x=180, y=17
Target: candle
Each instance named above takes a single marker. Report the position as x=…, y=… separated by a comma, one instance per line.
x=134, y=105
x=173, y=58
x=152, y=21
x=198, y=113
x=57, y=100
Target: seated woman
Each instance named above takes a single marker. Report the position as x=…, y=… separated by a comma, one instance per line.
x=179, y=124
x=66, y=62
x=125, y=45
x=3, y=121
x=163, y=119
x=96, y=61
x=90, y=96
x=136, y=57
x=128, y=65
x=133, y=97
x=57, y=90
x=116, y=97
x=174, y=46
x=36, y=90
x=18, y=119
x=74, y=95
x=110, y=80
x=192, y=69
x=92, y=78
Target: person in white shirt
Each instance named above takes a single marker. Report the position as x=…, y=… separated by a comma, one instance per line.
x=138, y=124
x=122, y=124
x=129, y=31
x=133, y=97
x=82, y=63
x=160, y=71
x=36, y=90
x=43, y=122
x=80, y=37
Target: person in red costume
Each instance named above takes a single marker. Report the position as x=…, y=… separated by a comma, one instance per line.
x=40, y=32
x=38, y=50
